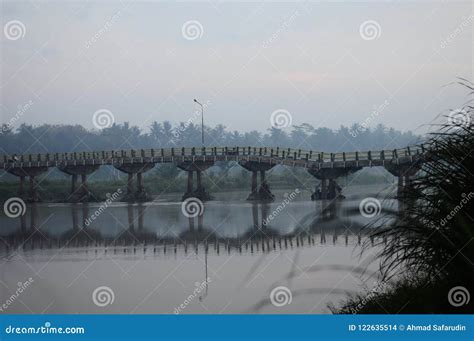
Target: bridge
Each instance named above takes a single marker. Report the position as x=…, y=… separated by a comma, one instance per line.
x=326, y=167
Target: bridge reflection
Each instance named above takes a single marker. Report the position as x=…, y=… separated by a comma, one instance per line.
x=311, y=230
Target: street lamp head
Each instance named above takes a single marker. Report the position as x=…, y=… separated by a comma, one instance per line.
x=195, y=100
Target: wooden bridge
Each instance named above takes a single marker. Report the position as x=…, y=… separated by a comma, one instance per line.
x=326, y=167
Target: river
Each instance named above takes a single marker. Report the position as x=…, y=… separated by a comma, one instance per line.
x=153, y=258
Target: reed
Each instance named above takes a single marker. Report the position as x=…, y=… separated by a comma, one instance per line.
x=429, y=244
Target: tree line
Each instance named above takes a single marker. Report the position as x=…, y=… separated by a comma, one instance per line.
x=68, y=138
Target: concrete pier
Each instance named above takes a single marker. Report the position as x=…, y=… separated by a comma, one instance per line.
x=262, y=193
x=404, y=173
x=197, y=167
x=32, y=173
x=329, y=188
x=138, y=194
x=81, y=193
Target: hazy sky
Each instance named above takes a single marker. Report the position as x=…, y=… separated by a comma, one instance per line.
x=247, y=60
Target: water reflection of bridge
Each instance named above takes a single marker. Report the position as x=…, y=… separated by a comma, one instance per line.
x=259, y=237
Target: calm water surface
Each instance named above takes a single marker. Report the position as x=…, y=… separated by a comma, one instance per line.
x=153, y=257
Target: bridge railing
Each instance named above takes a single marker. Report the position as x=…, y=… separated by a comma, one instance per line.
x=268, y=152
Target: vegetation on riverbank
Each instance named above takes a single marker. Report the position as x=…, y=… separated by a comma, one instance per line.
x=429, y=252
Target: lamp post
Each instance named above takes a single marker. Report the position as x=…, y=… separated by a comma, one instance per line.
x=202, y=121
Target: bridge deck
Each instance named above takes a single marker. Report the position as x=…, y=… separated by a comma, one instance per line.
x=272, y=155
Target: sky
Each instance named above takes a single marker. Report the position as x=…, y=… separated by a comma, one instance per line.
x=326, y=64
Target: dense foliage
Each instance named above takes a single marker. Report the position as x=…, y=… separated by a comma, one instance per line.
x=67, y=138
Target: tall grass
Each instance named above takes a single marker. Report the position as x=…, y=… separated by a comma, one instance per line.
x=429, y=244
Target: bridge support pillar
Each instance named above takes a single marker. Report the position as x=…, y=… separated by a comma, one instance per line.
x=189, y=188
x=32, y=193
x=130, y=184
x=262, y=193
x=73, y=183
x=199, y=182
x=81, y=192
x=84, y=186
x=329, y=188
x=323, y=190
x=21, y=190
x=404, y=174
x=32, y=173
x=139, y=194
x=400, y=186
x=195, y=167
x=254, y=187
